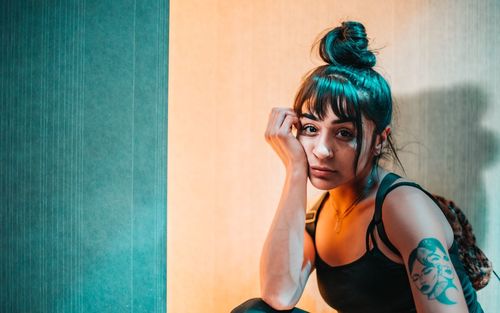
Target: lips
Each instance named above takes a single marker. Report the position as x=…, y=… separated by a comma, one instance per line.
x=321, y=168
x=320, y=171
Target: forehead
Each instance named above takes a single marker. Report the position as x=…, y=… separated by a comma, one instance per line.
x=323, y=104
x=328, y=115
x=308, y=111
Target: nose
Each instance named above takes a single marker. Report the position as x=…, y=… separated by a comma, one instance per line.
x=322, y=150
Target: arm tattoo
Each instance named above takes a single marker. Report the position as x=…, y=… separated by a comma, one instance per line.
x=431, y=270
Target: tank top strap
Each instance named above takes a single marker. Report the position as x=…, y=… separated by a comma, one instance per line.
x=386, y=182
x=386, y=186
x=312, y=215
x=382, y=192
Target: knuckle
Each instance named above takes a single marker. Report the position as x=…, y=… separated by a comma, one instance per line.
x=281, y=135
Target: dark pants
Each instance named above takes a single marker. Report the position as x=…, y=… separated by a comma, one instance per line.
x=257, y=305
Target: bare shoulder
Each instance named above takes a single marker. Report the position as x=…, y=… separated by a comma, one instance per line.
x=409, y=215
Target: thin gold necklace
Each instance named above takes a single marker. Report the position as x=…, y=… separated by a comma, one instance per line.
x=339, y=219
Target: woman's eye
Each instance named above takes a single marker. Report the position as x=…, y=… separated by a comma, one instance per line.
x=345, y=134
x=434, y=258
x=308, y=129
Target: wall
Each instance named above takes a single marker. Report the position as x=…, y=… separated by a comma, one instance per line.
x=83, y=156
x=232, y=61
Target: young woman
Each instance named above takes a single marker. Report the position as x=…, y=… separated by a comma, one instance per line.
x=393, y=254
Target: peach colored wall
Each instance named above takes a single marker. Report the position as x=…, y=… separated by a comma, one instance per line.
x=232, y=61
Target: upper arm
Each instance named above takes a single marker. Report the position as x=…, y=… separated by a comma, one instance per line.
x=418, y=229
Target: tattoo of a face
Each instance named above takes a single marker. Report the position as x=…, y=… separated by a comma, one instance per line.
x=431, y=270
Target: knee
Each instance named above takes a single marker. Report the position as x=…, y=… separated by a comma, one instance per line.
x=257, y=305
x=254, y=305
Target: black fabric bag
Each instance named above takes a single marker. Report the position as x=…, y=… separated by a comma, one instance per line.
x=476, y=263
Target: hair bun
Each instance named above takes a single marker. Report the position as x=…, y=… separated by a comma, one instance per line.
x=347, y=45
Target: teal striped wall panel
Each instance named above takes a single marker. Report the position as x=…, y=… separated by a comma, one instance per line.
x=83, y=137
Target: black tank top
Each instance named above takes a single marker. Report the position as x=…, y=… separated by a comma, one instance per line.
x=375, y=283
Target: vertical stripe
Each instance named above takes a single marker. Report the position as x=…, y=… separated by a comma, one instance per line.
x=57, y=256
x=132, y=168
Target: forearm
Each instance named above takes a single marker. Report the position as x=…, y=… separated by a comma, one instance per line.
x=283, y=252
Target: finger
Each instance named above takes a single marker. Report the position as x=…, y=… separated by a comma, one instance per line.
x=295, y=125
x=276, y=118
x=298, y=127
x=270, y=123
x=286, y=127
x=285, y=136
x=283, y=114
x=276, y=131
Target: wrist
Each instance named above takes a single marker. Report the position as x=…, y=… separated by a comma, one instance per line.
x=297, y=171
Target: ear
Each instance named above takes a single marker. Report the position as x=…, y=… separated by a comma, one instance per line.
x=381, y=139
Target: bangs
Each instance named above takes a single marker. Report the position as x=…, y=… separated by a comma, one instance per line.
x=321, y=91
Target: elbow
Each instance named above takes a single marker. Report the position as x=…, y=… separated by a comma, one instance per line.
x=278, y=301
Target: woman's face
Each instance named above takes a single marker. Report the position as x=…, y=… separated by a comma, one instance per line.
x=330, y=146
x=430, y=271
x=425, y=277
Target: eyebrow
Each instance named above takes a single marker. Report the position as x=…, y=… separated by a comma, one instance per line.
x=315, y=118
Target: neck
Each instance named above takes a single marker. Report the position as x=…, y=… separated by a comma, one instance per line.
x=346, y=195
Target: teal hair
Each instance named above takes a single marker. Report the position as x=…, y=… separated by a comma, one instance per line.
x=350, y=86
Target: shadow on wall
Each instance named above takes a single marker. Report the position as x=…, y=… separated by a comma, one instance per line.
x=445, y=148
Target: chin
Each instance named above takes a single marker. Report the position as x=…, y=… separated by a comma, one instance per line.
x=322, y=184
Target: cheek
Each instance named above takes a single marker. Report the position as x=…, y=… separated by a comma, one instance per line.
x=365, y=155
x=419, y=283
x=447, y=272
x=345, y=155
x=346, y=151
x=353, y=144
x=306, y=143
x=431, y=276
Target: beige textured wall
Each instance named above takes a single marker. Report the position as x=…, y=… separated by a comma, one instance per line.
x=231, y=61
